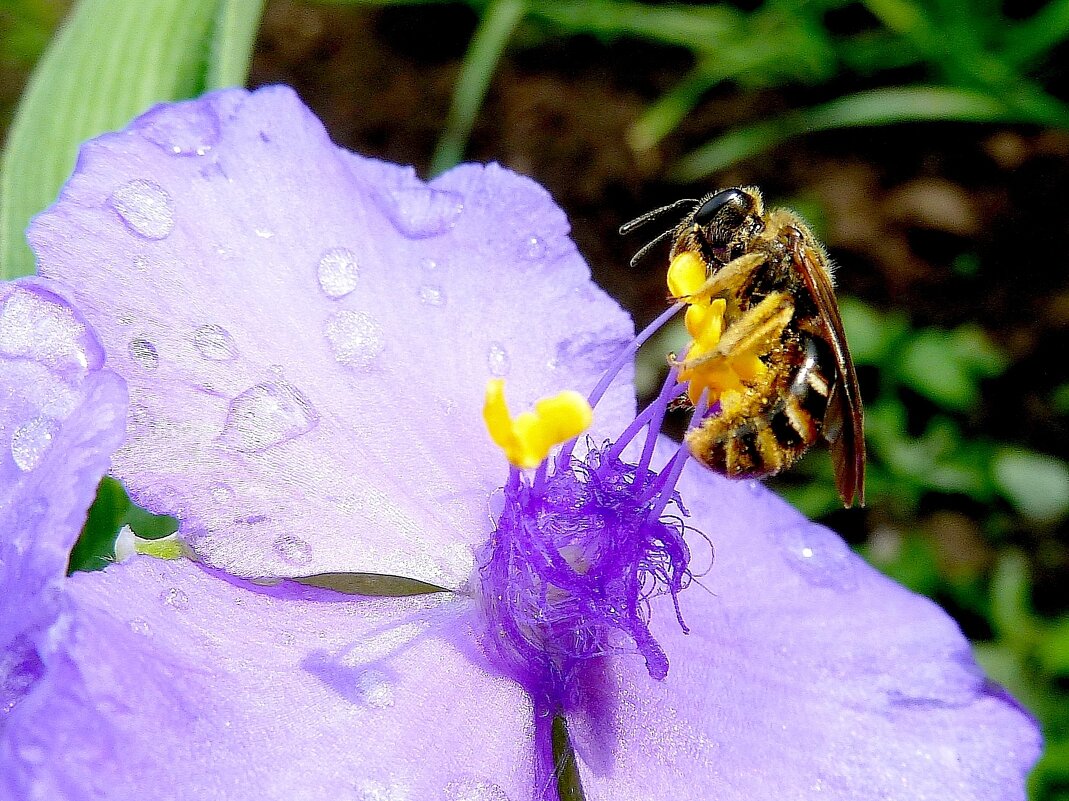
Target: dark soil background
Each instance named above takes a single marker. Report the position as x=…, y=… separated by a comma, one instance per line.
x=954, y=223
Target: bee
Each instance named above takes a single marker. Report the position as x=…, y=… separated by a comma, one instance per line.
x=780, y=304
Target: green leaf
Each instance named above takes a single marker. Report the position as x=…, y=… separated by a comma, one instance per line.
x=95, y=547
x=1037, y=484
x=876, y=107
x=111, y=60
x=233, y=37
x=370, y=584
x=873, y=336
x=487, y=46
x=946, y=366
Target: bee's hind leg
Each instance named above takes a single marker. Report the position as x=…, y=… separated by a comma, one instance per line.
x=756, y=331
x=735, y=273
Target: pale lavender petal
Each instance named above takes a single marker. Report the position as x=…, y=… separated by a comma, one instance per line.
x=61, y=417
x=307, y=334
x=806, y=674
x=173, y=682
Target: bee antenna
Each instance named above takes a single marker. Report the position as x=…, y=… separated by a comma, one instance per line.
x=628, y=227
x=650, y=246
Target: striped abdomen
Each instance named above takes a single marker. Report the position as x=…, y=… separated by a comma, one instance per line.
x=774, y=422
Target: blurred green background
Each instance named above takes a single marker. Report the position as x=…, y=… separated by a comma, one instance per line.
x=927, y=143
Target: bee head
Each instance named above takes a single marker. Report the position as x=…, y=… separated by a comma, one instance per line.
x=727, y=220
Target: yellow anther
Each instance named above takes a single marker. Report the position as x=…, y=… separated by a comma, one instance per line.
x=705, y=322
x=686, y=274
x=527, y=439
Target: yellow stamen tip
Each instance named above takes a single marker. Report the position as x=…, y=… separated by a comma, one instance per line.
x=705, y=322
x=528, y=439
x=686, y=274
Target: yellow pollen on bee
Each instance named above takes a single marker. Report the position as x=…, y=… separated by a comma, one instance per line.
x=686, y=274
x=528, y=438
x=704, y=321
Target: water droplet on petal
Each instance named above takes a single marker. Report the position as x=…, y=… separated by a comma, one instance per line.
x=31, y=441
x=175, y=598
x=373, y=790
x=141, y=626
x=431, y=295
x=144, y=353
x=221, y=493
x=355, y=338
x=472, y=788
x=145, y=207
x=191, y=130
x=337, y=272
x=595, y=349
x=33, y=324
x=818, y=554
x=946, y=680
x=430, y=265
x=264, y=233
x=420, y=212
x=534, y=248
x=293, y=550
x=497, y=359
x=214, y=343
x=373, y=688
x=266, y=415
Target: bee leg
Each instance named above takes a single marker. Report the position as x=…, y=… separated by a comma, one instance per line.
x=735, y=273
x=755, y=331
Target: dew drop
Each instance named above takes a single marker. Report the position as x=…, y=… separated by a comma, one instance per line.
x=472, y=788
x=214, y=343
x=373, y=790
x=265, y=415
x=818, y=554
x=595, y=349
x=534, y=248
x=144, y=353
x=372, y=688
x=175, y=598
x=337, y=272
x=421, y=212
x=946, y=680
x=293, y=550
x=20, y=670
x=34, y=324
x=497, y=359
x=429, y=265
x=145, y=207
x=141, y=626
x=431, y=295
x=190, y=131
x=31, y=441
x=264, y=233
x=355, y=338
x=221, y=493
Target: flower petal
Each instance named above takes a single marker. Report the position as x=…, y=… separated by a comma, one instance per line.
x=807, y=673
x=61, y=416
x=172, y=678
x=307, y=333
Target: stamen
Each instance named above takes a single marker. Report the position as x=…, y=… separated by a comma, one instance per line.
x=528, y=438
x=613, y=370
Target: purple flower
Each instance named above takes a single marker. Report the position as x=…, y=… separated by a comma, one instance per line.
x=306, y=336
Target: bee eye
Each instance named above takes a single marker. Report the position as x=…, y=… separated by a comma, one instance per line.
x=722, y=216
x=725, y=209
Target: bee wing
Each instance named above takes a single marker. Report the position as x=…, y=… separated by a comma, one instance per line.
x=843, y=425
